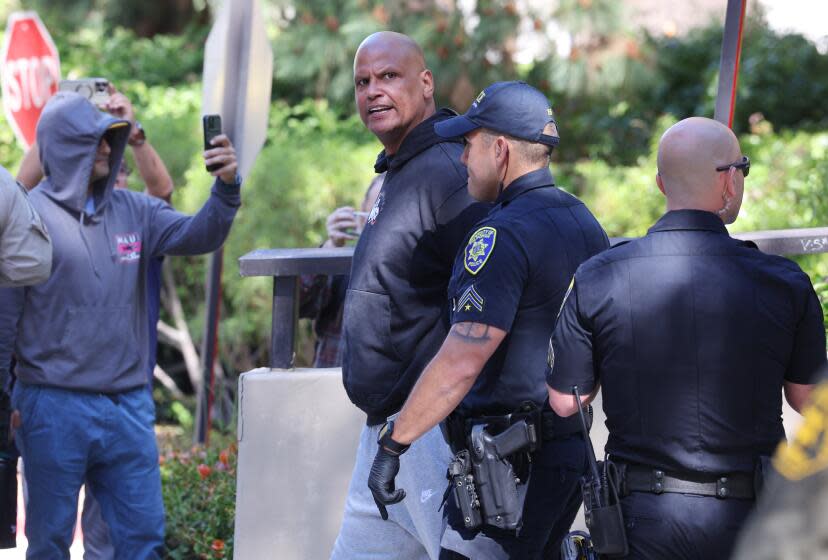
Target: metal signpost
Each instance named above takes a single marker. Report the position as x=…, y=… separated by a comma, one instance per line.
x=238, y=74
x=729, y=67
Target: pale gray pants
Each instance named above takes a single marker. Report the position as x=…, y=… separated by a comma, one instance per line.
x=96, y=542
x=415, y=525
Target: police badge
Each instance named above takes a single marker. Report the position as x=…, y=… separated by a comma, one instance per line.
x=481, y=244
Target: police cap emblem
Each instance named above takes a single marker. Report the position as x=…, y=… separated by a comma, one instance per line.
x=480, y=247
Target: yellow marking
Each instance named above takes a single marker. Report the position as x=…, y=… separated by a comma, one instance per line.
x=807, y=453
x=481, y=244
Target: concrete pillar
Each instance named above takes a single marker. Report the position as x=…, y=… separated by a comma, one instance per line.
x=298, y=435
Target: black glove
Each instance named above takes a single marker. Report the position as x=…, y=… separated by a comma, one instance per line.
x=384, y=470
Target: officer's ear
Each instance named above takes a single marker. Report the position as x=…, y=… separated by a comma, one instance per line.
x=660, y=183
x=730, y=183
x=501, y=147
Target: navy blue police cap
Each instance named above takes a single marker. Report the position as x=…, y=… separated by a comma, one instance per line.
x=513, y=108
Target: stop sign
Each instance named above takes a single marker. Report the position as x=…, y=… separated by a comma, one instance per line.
x=29, y=72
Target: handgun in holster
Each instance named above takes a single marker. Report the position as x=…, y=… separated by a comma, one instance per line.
x=602, y=506
x=489, y=492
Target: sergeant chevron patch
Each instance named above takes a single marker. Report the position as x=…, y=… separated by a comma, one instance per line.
x=469, y=299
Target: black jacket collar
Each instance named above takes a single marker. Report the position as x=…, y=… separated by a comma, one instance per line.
x=418, y=140
x=525, y=183
x=699, y=220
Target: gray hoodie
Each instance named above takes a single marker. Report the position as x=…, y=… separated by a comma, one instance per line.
x=86, y=327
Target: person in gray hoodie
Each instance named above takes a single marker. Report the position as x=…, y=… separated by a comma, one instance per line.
x=83, y=410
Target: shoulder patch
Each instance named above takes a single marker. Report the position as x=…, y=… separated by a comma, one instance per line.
x=807, y=453
x=480, y=247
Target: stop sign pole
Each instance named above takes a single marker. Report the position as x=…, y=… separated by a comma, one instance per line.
x=29, y=72
x=729, y=66
x=238, y=74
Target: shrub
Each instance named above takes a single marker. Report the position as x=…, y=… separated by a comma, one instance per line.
x=199, y=487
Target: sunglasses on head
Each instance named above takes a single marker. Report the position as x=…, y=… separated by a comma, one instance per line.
x=743, y=164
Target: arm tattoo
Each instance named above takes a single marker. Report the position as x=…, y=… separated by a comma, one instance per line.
x=471, y=333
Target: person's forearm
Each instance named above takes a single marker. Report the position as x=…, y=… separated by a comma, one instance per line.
x=441, y=387
x=153, y=171
x=565, y=405
x=447, y=378
x=178, y=234
x=797, y=394
x=30, y=172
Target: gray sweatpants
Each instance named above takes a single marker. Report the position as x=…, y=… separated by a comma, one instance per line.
x=415, y=526
x=96, y=542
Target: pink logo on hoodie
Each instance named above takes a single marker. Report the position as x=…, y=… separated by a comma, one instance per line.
x=128, y=246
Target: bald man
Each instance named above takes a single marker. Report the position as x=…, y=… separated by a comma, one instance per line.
x=693, y=335
x=396, y=310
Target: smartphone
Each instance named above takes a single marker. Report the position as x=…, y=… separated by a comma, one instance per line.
x=360, y=218
x=95, y=90
x=212, y=128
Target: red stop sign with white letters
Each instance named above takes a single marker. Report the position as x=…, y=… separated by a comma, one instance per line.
x=29, y=71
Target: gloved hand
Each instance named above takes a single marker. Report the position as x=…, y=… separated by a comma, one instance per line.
x=381, y=480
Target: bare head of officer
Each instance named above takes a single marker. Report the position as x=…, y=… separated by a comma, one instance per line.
x=701, y=167
x=394, y=90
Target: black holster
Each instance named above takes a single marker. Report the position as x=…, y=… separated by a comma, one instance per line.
x=485, y=486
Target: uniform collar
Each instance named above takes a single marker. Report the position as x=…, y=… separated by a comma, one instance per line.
x=525, y=183
x=689, y=220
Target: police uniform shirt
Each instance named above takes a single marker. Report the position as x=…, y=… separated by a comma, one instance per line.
x=512, y=274
x=691, y=334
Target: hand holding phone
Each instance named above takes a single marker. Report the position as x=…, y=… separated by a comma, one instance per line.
x=342, y=226
x=95, y=90
x=212, y=128
x=219, y=153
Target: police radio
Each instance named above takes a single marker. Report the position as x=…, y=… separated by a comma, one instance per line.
x=602, y=507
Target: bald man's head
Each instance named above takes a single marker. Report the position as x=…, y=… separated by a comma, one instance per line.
x=391, y=41
x=688, y=155
x=393, y=88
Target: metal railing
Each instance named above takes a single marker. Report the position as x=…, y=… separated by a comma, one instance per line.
x=286, y=266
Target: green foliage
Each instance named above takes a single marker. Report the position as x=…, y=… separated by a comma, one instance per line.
x=171, y=411
x=779, y=76
x=147, y=18
x=199, y=487
x=822, y=291
x=787, y=181
x=317, y=41
x=120, y=56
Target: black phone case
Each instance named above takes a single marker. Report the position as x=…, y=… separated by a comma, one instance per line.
x=212, y=128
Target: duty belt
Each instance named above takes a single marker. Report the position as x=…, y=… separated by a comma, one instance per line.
x=638, y=478
x=546, y=424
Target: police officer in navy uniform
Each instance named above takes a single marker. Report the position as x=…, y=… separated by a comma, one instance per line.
x=506, y=288
x=693, y=335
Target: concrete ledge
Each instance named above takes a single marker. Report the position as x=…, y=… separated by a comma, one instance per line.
x=298, y=435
